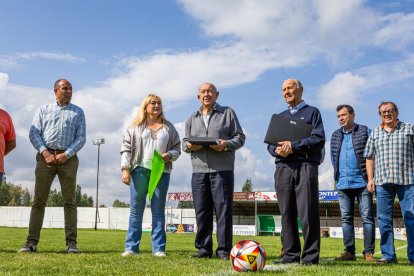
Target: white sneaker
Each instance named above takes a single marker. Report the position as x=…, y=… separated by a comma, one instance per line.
x=159, y=254
x=129, y=253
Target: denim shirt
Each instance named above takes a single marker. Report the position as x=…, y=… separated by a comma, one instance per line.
x=350, y=176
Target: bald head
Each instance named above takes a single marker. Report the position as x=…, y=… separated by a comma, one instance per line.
x=207, y=94
x=292, y=90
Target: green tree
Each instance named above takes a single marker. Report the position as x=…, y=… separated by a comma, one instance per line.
x=15, y=195
x=4, y=194
x=55, y=199
x=83, y=200
x=11, y=195
x=120, y=204
x=186, y=204
x=27, y=198
x=247, y=186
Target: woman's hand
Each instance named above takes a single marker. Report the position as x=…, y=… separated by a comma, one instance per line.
x=126, y=177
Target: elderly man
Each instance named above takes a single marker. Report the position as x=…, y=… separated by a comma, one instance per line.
x=296, y=179
x=213, y=171
x=390, y=168
x=57, y=133
x=347, y=156
x=7, y=138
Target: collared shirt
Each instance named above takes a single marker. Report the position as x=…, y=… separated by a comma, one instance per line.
x=393, y=153
x=350, y=176
x=59, y=128
x=206, y=118
x=295, y=109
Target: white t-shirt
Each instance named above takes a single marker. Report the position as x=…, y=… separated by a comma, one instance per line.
x=156, y=140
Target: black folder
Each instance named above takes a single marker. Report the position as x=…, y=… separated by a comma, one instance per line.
x=203, y=141
x=283, y=128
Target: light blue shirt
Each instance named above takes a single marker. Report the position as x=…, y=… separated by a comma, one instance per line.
x=295, y=109
x=59, y=128
x=350, y=176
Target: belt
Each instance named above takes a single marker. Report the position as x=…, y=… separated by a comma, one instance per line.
x=55, y=151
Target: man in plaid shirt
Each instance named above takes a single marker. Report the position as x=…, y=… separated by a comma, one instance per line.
x=390, y=168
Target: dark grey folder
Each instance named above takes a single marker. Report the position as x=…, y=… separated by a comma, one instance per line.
x=202, y=141
x=283, y=128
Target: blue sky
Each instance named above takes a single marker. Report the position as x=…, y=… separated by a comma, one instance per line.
x=116, y=52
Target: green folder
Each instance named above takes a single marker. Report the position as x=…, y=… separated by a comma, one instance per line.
x=157, y=168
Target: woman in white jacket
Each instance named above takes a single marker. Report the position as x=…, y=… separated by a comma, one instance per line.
x=149, y=131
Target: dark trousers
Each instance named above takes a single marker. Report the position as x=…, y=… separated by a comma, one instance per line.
x=213, y=191
x=297, y=194
x=44, y=177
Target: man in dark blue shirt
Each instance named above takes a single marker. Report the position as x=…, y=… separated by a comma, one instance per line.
x=296, y=179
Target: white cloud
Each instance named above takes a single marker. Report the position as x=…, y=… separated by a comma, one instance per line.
x=14, y=60
x=50, y=56
x=397, y=33
x=355, y=86
x=4, y=79
x=342, y=86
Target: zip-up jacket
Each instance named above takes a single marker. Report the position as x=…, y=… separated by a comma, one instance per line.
x=359, y=139
x=131, y=149
x=223, y=124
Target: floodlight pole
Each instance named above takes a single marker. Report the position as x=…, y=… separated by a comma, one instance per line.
x=97, y=142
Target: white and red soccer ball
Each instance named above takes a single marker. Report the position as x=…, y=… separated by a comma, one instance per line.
x=248, y=255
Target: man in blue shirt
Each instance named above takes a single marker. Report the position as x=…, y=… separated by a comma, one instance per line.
x=58, y=132
x=347, y=150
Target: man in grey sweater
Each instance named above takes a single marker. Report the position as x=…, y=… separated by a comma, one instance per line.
x=212, y=181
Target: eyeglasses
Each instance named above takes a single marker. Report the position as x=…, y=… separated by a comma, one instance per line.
x=385, y=112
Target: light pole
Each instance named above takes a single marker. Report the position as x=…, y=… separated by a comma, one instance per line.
x=97, y=142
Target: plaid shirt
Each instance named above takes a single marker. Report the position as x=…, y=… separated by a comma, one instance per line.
x=393, y=153
x=59, y=128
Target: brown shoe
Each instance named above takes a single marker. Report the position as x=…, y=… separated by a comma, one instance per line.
x=346, y=256
x=369, y=257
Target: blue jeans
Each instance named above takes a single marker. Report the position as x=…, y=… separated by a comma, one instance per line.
x=138, y=193
x=346, y=203
x=385, y=205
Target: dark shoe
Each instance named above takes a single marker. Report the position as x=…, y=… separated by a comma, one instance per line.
x=346, y=256
x=386, y=261
x=283, y=261
x=224, y=257
x=72, y=249
x=201, y=255
x=28, y=248
x=410, y=262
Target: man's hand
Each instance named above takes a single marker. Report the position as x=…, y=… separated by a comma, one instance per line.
x=193, y=147
x=371, y=186
x=222, y=145
x=61, y=158
x=126, y=177
x=167, y=157
x=284, y=148
x=49, y=158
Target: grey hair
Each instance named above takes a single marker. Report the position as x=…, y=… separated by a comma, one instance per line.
x=297, y=82
x=57, y=83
